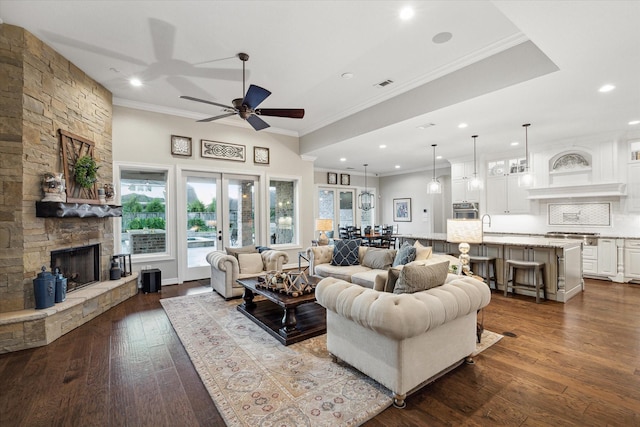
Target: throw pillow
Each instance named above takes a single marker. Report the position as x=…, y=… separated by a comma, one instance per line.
x=405, y=255
x=422, y=252
x=345, y=252
x=392, y=278
x=378, y=259
x=243, y=250
x=250, y=263
x=416, y=277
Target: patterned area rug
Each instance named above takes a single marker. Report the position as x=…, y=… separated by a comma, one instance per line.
x=256, y=381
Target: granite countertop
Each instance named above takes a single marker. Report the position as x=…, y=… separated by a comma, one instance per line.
x=513, y=240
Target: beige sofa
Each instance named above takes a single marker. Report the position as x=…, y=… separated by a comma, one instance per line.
x=320, y=265
x=225, y=270
x=403, y=341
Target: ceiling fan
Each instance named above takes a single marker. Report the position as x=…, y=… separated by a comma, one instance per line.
x=246, y=107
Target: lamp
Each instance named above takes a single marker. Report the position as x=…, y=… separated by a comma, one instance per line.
x=434, y=186
x=526, y=179
x=365, y=199
x=464, y=231
x=323, y=225
x=474, y=184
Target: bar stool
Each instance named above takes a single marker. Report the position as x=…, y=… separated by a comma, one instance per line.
x=512, y=266
x=486, y=262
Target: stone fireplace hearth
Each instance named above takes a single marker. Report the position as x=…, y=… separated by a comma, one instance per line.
x=44, y=93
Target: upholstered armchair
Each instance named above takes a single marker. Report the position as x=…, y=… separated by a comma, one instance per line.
x=226, y=269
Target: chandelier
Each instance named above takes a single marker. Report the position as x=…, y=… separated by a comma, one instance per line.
x=365, y=199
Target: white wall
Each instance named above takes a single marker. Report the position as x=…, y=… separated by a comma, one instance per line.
x=414, y=186
x=144, y=137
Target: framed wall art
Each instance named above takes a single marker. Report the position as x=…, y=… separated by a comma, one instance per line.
x=223, y=151
x=345, y=179
x=180, y=145
x=332, y=178
x=261, y=155
x=402, y=210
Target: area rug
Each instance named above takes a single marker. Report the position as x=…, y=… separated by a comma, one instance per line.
x=256, y=381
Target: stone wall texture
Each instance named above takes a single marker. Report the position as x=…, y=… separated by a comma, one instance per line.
x=40, y=93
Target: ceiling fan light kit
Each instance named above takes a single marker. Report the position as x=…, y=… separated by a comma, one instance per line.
x=246, y=107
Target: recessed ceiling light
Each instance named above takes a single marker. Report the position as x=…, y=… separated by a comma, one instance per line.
x=135, y=82
x=347, y=75
x=406, y=13
x=462, y=125
x=634, y=122
x=397, y=166
x=514, y=143
x=442, y=37
x=342, y=159
x=383, y=146
x=606, y=88
x=438, y=157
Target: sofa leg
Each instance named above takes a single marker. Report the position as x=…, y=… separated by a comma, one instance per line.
x=334, y=358
x=469, y=360
x=398, y=400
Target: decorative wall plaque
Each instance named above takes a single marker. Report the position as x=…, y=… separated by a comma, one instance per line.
x=180, y=145
x=223, y=150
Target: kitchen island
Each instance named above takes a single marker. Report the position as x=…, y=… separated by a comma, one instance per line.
x=563, y=259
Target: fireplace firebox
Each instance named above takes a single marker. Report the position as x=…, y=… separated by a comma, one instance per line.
x=81, y=265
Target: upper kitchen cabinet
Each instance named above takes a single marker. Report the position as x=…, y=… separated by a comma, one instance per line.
x=633, y=177
x=504, y=196
x=461, y=175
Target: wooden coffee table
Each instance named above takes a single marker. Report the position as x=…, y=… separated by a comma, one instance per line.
x=288, y=319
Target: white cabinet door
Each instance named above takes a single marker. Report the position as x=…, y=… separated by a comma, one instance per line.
x=633, y=187
x=632, y=259
x=461, y=173
x=590, y=259
x=607, y=257
x=497, y=195
x=517, y=201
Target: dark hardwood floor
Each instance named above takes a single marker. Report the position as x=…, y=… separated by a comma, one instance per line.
x=568, y=364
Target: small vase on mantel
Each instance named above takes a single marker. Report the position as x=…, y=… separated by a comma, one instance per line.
x=53, y=186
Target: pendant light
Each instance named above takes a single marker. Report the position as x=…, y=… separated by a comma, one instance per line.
x=525, y=179
x=434, y=186
x=474, y=184
x=365, y=199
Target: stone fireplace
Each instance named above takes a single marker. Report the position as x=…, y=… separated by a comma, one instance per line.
x=40, y=93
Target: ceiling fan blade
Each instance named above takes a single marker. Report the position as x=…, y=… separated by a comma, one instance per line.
x=255, y=95
x=257, y=122
x=222, y=116
x=293, y=113
x=191, y=98
x=163, y=36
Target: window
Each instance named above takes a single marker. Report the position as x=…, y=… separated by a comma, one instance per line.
x=282, y=212
x=143, y=195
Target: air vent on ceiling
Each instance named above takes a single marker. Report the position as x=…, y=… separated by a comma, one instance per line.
x=384, y=83
x=349, y=168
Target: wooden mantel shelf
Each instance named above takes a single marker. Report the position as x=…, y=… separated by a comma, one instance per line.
x=81, y=210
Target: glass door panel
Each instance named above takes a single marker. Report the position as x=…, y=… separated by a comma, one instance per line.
x=347, y=208
x=202, y=195
x=241, y=211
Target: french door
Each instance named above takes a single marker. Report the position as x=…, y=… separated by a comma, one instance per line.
x=338, y=205
x=218, y=211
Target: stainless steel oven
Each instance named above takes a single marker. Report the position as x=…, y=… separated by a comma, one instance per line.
x=466, y=210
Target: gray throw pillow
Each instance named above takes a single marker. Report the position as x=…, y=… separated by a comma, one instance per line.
x=392, y=278
x=345, y=252
x=405, y=255
x=416, y=277
x=378, y=259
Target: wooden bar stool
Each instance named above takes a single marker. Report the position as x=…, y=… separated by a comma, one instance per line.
x=485, y=262
x=512, y=267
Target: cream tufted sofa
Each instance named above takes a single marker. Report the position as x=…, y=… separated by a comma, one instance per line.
x=403, y=341
x=225, y=270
